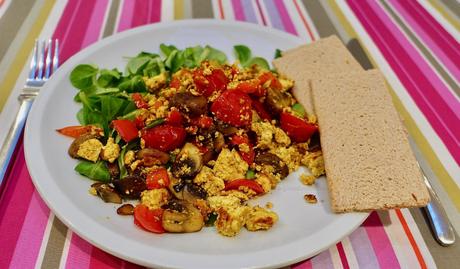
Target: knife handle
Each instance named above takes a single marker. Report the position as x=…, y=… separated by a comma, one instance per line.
x=442, y=229
x=14, y=133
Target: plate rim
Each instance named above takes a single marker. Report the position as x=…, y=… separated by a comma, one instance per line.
x=52, y=201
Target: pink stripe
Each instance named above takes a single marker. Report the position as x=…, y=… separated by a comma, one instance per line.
x=303, y=265
x=142, y=13
x=444, y=49
x=428, y=92
x=13, y=207
x=79, y=253
x=103, y=260
x=126, y=15
x=238, y=10
x=343, y=257
x=285, y=18
x=32, y=232
x=155, y=11
x=95, y=24
x=380, y=242
x=65, y=20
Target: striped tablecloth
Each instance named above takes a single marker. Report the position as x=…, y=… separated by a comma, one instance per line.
x=415, y=44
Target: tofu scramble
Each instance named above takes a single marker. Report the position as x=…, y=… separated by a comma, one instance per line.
x=198, y=144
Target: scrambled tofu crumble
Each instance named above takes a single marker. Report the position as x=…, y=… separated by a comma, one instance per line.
x=199, y=157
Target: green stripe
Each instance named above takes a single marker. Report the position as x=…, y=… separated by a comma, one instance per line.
x=111, y=18
x=55, y=245
x=202, y=9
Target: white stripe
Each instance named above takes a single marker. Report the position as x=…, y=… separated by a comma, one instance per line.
x=349, y=253
x=417, y=48
x=215, y=9
x=297, y=21
x=228, y=10
x=440, y=18
x=335, y=257
x=167, y=10
x=305, y=13
x=4, y=7
x=426, y=47
x=117, y=20
x=418, y=239
x=425, y=128
x=106, y=17
x=46, y=237
x=399, y=242
x=65, y=249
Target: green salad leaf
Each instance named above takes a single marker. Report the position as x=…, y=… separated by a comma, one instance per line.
x=83, y=75
x=95, y=171
x=244, y=55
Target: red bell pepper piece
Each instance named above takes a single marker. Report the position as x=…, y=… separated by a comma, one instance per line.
x=297, y=129
x=126, y=129
x=251, y=184
x=77, y=131
x=148, y=219
x=139, y=101
x=246, y=156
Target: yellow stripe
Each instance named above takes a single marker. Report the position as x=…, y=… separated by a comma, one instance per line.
x=449, y=185
x=178, y=9
x=445, y=14
x=21, y=57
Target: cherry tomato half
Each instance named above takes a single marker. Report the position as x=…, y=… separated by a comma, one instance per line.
x=157, y=179
x=297, y=129
x=148, y=219
x=164, y=137
x=233, y=107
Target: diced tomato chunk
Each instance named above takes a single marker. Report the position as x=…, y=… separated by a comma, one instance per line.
x=148, y=219
x=208, y=84
x=248, y=86
x=175, y=83
x=202, y=122
x=298, y=129
x=274, y=82
x=174, y=118
x=139, y=101
x=233, y=107
x=126, y=129
x=260, y=109
x=157, y=179
x=164, y=137
x=249, y=155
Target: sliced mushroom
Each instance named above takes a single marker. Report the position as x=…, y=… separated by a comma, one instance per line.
x=126, y=209
x=188, y=162
x=151, y=157
x=190, y=104
x=114, y=170
x=130, y=186
x=219, y=142
x=182, y=217
x=187, y=191
x=266, y=158
x=107, y=193
x=225, y=128
x=277, y=100
x=314, y=143
x=73, y=149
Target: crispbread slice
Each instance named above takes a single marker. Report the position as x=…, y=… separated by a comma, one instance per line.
x=369, y=163
x=323, y=57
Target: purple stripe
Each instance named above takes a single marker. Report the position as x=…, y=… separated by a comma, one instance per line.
x=362, y=247
x=322, y=261
x=440, y=43
x=249, y=12
x=285, y=18
x=424, y=86
x=273, y=14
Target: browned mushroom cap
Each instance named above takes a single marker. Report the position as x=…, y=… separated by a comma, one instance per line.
x=73, y=149
x=266, y=158
x=114, y=170
x=182, y=217
x=107, y=193
x=151, y=157
x=126, y=209
x=188, y=162
x=219, y=142
x=225, y=128
x=277, y=100
x=190, y=104
x=130, y=186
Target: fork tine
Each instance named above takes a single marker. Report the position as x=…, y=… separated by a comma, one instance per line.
x=49, y=50
x=56, y=55
x=41, y=60
x=33, y=61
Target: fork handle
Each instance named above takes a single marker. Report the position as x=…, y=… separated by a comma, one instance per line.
x=26, y=99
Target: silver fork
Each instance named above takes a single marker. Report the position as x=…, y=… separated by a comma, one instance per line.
x=44, y=62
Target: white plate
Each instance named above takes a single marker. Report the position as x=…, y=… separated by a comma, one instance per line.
x=303, y=229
